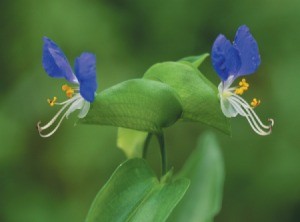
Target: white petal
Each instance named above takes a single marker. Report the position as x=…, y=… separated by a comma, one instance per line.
x=85, y=109
x=227, y=108
x=224, y=86
x=77, y=104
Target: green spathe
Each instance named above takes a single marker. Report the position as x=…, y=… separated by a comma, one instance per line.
x=169, y=91
x=139, y=104
x=198, y=96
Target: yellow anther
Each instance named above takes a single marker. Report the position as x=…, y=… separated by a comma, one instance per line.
x=255, y=102
x=239, y=91
x=52, y=101
x=244, y=86
x=65, y=87
x=70, y=92
x=244, y=83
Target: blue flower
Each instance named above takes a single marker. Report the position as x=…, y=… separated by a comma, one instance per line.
x=230, y=61
x=56, y=65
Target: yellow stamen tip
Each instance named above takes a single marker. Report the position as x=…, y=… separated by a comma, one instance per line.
x=244, y=83
x=244, y=86
x=70, y=92
x=65, y=87
x=238, y=92
x=255, y=102
x=52, y=101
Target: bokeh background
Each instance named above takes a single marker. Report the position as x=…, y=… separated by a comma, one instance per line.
x=56, y=179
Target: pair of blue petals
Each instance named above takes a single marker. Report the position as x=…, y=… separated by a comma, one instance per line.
x=237, y=59
x=56, y=65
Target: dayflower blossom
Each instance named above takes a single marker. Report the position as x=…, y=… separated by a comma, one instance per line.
x=56, y=65
x=231, y=61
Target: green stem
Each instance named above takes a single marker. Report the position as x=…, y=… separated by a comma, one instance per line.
x=161, y=141
x=146, y=145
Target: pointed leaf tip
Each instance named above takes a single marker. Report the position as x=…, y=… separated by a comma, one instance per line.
x=196, y=60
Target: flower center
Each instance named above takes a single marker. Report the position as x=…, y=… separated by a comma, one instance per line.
x=226, y=94
x=238, y=105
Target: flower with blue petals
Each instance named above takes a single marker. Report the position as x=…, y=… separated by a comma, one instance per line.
x=231, y=61
x=56, y=65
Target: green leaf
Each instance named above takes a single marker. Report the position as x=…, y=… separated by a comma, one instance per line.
x=139, y=104
x=133, y=193
x=199, y=97
x=196, y=60
x=205, y=169
x=131, y=142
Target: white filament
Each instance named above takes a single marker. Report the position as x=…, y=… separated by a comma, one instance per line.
x=76, y=102
x=232, y=104
x=251, y=117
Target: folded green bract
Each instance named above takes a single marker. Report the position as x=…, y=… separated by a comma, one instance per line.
x=168, y=92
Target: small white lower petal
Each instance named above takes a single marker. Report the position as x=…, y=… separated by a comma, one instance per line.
x=78, y=104
x=227, y=108
x=85, y=109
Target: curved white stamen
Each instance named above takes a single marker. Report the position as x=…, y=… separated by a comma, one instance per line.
x=226, y=93
x=254, y=121
x=254, y=125
x=250, y=120
x=54, y=130
x=65, y=104
x=41, y=128
x=258, y=131
x=67, y=101
x=251, y=113
x=246, y=106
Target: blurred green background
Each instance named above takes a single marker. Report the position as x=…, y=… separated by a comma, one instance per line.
x=56, y=179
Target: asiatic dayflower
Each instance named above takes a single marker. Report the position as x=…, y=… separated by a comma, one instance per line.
x=231, y=61
x=79, y=97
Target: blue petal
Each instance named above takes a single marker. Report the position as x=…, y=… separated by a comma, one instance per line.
x=85, y=71
x=248, y=51
x=225, y=58
x=55, y=62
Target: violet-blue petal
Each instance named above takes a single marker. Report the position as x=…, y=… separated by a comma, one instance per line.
x=55, y=62
x=85, y=71
x=248, y=51
x=225, y=58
